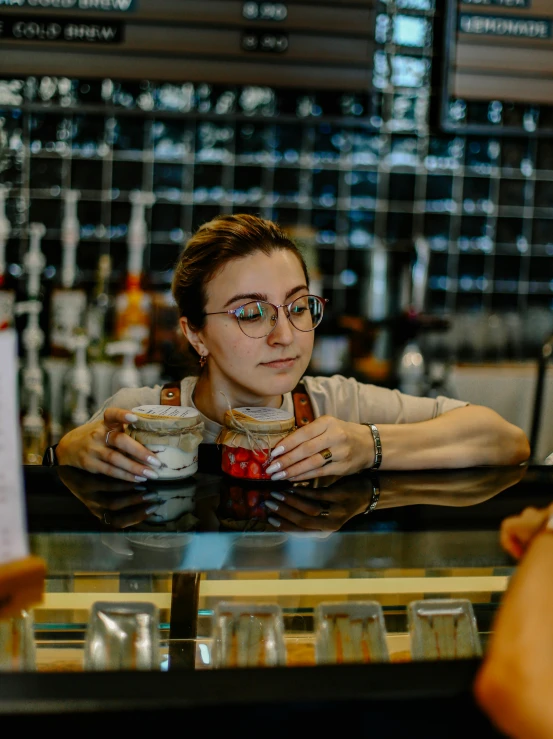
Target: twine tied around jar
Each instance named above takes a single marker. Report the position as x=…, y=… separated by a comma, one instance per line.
x=257, y=440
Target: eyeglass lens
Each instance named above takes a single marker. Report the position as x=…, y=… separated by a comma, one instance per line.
x=258, y=319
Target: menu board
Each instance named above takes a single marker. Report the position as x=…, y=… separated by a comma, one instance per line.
x=500, y=50
x=299, y=43
x=13, y=535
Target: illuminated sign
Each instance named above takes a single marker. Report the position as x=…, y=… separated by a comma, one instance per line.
x=491, y=25
x=501, y=3
x=498, y=50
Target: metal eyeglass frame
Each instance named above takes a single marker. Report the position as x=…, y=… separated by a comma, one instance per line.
x=285, y=306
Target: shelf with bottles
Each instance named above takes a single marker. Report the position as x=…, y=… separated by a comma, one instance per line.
x=217, y=136
x=7, y=294
x=75, y=342
x=63, y=95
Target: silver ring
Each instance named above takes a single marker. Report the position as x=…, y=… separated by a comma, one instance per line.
x=107, y=438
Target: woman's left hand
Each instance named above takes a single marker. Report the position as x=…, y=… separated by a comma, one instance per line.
x=318, y=511
x=303, y=454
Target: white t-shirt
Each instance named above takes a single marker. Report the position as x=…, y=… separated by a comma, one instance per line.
x=342, y=397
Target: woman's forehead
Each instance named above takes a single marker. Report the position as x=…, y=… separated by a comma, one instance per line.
x=258, y=272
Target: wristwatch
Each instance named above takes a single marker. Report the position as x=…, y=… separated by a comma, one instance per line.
x=49, y=459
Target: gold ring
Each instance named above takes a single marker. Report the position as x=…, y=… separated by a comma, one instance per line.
x=326, y=454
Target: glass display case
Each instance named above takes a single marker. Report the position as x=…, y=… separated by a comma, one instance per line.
x=235, y=594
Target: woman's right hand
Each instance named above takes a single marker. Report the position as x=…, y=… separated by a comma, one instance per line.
x=85, y=447
x=116, y=503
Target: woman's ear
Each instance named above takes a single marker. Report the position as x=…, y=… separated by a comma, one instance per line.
x=194, y=337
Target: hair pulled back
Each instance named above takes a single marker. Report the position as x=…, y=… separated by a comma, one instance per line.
x=216, y=243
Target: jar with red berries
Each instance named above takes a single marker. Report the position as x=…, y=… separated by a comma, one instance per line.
x=248, y=436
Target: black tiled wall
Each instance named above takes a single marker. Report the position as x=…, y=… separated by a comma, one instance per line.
x=353, y=169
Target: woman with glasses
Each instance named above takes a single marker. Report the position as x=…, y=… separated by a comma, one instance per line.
x=242, y=291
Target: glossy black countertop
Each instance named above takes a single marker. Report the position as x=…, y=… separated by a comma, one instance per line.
x=440, y=518
x=429, y=530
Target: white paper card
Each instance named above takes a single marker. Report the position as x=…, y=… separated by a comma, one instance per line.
x=166, y=411
x=261, y=413
x=13, y=531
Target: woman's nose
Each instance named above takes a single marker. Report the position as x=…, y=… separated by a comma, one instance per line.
x=283, y=331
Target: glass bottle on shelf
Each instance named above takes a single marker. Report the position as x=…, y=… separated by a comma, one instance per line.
x=127, y=373
x=165, y=327
x=68, y=302
x=77, y=391
x=411, y=363
x=133, y=305
x=33, y=386
x=99, y=320
x=7, y=296
x=98, y=309
x=34, y=260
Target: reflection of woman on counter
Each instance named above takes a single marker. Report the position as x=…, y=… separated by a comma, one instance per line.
x=209, y=502
x=242, y=290
x=330, y=508
x=180, y=506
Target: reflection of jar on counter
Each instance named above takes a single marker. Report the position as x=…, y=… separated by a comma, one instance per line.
x=241, y=503
x=248, y=436
x=176, y=503
x=173, y=434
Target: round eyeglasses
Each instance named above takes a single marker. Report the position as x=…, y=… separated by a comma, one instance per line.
x=258, y=318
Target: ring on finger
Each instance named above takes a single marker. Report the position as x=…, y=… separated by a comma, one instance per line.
x=326, y=454
x=325, y=509
x=107, y=438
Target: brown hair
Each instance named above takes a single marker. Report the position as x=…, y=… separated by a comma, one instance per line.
x=213, y=245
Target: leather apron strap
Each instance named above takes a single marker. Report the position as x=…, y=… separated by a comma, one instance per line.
x=170, y=394
x=303, y=410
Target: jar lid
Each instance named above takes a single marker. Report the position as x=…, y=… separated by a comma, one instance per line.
x=261, y=419
x=165, y=417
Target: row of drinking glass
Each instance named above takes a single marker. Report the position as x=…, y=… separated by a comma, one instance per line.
x=125, y=636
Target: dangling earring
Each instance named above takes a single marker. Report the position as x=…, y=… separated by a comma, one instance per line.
x=203, y=360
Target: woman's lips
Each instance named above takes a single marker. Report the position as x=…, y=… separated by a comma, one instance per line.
x=281, y=363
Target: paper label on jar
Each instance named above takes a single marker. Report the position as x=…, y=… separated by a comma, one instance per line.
x=265, y=414
x=166, y=411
